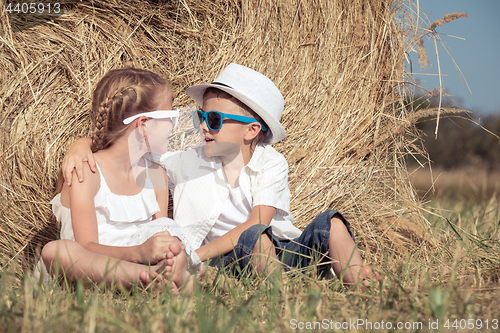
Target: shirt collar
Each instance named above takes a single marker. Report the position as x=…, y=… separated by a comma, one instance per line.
x=255, y=163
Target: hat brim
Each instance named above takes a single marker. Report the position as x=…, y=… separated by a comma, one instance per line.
x=277, y=132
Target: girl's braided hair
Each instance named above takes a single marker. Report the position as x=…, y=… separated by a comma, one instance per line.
x=122, y=93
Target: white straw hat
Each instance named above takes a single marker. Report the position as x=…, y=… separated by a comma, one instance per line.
x=254, y=90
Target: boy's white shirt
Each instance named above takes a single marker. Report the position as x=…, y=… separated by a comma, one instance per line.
x=200, y=190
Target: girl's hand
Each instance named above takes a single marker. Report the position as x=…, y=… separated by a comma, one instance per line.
x=73, y=161
x=155, y=249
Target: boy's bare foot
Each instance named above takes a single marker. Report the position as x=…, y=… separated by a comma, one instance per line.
x=367, y=276
x=177, y=269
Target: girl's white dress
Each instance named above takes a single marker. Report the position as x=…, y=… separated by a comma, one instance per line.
x=119, y=217
x=122, y=220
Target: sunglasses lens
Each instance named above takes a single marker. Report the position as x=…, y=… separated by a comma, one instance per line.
x=214, y=120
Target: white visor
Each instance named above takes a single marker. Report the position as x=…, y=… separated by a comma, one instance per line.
x=172, y=114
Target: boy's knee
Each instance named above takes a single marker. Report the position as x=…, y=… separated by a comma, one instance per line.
x=263, y=244
x=337, y=224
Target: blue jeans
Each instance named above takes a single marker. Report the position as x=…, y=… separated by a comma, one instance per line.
x=310, y=247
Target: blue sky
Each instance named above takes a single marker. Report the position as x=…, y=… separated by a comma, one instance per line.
x=477, y=54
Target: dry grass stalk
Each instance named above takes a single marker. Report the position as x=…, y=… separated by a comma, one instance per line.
x=446, y=19
x=424, y=61
x=339, y=65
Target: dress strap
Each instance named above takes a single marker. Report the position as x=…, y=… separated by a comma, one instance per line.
x=125, y=208
x=101, y=178
x=147, y=182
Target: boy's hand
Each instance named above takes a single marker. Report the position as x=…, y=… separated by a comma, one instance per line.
x=74, y=160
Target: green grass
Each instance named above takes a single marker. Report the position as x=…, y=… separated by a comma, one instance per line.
x=456, y=280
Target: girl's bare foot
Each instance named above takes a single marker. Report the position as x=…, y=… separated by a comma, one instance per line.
x=154, y=277
x=148, y=279
x=177, y=269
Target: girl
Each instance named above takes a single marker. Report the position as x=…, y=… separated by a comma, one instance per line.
x=107, y=221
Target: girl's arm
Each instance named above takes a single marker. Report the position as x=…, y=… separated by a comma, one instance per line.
x=73, y=161
x=162, y=197
x=227, y=242
x=84, y=222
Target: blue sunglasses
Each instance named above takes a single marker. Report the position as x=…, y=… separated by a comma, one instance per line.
x=214, y=119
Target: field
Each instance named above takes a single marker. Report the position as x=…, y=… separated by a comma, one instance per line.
x=453, y=288
x=463, y=184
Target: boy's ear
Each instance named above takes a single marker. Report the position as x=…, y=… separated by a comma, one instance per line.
x=252, y=130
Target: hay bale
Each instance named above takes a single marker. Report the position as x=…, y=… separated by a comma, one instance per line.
x=340, y=66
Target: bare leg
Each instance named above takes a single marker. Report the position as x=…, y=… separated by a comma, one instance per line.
x=347, y=260
x=264, y=259
x=76, y=262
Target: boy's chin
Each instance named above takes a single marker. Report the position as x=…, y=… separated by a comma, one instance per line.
x=221, y=149
x=207, y=150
